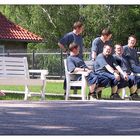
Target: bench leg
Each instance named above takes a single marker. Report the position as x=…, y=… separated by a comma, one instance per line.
x=26, y=92
x=83, y=92
x=124, y=93
x=83, y=88
x=43, y=90
x=67, y=92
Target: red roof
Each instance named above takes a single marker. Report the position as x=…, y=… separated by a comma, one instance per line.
x=10, y=31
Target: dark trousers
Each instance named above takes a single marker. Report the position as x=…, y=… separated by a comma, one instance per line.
x=131, y=82
x=102, y=81
x=138, y=81
x=91, y=78
x=136, y=69
x=113, y=82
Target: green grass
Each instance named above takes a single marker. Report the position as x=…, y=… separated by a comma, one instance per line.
x=51, y=87
x=54, y=87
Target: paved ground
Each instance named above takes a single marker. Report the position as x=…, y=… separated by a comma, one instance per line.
x=69, y=118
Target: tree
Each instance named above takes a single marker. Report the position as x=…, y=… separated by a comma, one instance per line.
x=49, y=21
x=123, y=20
x=53, y=21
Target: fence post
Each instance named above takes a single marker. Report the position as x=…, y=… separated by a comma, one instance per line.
x=61, y=63
x=33, y=59
x=33, y=62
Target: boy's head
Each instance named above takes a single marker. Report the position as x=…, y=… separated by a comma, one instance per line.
x=78, y=26
x=73, y=47
x=106, y=33
x=132, y=41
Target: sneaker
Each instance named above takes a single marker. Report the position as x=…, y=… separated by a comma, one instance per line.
x=2, y=93
x=134, y=96
x=115, y=96
x=92, y=96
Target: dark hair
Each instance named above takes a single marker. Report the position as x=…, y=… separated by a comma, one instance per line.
x=106, y=31
x=77, y=24
x=73, y=46
x=117, y=45
x=133, y=36
x=107, y=45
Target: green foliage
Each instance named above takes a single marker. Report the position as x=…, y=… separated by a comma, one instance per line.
x=123, y=20
x=50, y=62
x=53, y=21
x=48, y=21
x=55, y=16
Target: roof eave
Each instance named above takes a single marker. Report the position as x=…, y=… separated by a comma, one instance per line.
x=23, y=40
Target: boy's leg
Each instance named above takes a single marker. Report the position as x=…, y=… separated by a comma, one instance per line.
x=102, y=83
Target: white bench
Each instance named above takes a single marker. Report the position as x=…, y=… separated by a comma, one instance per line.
x=74, y=83
x=14, y=71
x=82, y=83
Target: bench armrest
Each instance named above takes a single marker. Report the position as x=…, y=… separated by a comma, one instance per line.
x=43, y=73
x=80, y=72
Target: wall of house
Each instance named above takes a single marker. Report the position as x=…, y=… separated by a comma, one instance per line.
x=14, y=47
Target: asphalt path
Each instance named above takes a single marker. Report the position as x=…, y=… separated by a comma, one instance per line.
x=70, y=118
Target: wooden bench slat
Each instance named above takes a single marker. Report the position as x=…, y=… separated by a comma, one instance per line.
x=14, y=64
x=14, y=71
x=20, y=59
x=12, y=76
x=14, y=68
x=9, y=72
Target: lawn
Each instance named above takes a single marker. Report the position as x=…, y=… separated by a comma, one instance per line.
x=51, y=87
